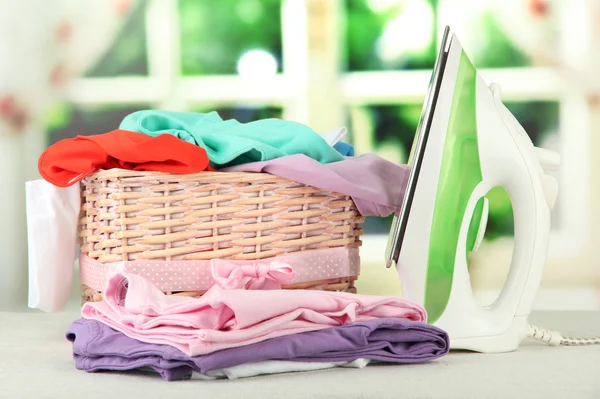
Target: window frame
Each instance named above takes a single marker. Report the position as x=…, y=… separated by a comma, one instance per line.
x=300, y=92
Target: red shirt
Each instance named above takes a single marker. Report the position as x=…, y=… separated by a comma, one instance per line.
x=68, y=161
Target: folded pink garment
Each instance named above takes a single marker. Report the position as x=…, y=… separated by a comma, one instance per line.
x=376, y=185
x=223, y=319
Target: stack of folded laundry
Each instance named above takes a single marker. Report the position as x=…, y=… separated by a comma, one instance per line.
x=233, y=333
x=245, y=324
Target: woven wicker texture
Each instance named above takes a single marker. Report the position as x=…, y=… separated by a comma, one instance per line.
x=128, y=215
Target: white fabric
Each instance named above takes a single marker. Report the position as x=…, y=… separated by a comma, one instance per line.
x=333, y=137
x=52, y=214
x=274, y=367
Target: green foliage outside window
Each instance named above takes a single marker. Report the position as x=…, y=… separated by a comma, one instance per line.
x=215, y=34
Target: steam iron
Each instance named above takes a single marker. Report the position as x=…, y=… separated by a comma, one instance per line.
x=467, y=143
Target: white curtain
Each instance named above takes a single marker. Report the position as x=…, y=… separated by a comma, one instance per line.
x=43, y=45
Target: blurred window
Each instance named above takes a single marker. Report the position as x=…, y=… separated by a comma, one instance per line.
x=360, y=63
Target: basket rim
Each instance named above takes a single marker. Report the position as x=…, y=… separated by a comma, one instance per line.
x=119, y=172
x=204, y=176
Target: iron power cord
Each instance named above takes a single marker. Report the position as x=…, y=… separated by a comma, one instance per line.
x=554, y=338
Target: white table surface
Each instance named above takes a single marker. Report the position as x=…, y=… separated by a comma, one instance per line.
x=36, y=362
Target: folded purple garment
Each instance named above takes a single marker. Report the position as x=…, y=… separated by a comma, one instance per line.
x=97, y=347
x=377, y=186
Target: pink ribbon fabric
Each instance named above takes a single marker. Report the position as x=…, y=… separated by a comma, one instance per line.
x=257, y=275
x=185, y=275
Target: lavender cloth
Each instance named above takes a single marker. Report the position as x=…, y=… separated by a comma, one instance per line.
x=376, y=185
x=97, y=347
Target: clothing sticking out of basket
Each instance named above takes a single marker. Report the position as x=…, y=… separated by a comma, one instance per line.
x=373, y=183
x=70, y=160
x=229, y=142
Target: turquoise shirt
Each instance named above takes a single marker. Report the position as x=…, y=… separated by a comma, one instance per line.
x=229, y=142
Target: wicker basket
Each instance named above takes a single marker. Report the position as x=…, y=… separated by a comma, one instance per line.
x=149, y=216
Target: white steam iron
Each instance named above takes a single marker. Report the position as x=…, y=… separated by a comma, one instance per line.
x=467, y=143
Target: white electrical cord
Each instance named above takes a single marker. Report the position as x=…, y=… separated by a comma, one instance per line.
x=555, y=338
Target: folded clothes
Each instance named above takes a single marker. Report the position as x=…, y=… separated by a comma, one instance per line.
x=229, y=142
x=223, y=319
x=376, y=185
x=70, y=160
x=97, y=346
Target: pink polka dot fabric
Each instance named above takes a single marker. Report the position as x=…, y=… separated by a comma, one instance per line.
x=170, y=276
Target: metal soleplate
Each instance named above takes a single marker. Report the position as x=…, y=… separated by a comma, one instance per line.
x=417, y=152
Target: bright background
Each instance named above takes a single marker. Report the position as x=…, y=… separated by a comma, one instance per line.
x=80, y=67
